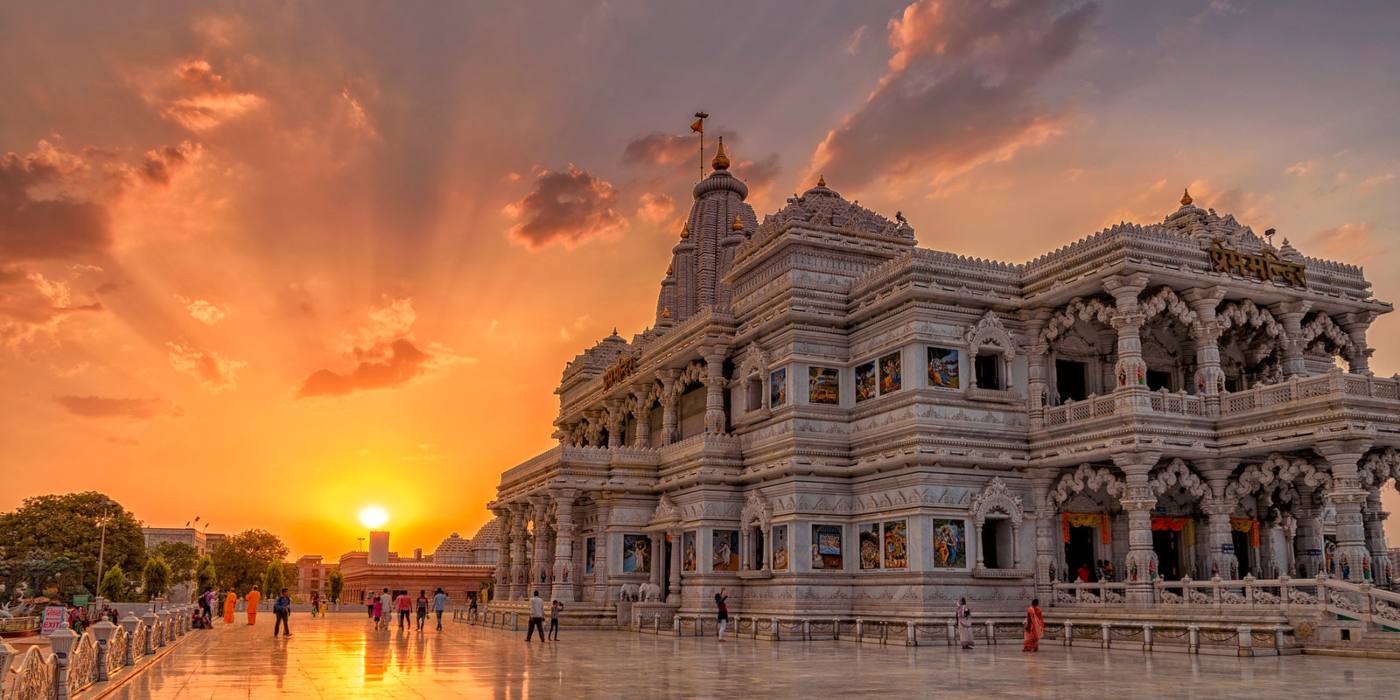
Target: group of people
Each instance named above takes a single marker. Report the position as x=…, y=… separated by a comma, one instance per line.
x=1103, y=571
x=1033, y=626
x=537, y=611
x=281, y=608
x=382, y=608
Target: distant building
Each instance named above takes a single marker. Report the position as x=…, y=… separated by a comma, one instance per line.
x=203, y=543
x=313, y=576
x=459, y=566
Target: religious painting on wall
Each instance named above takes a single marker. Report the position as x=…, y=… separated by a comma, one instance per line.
x=891, y=374
x=949, y=544
x=823, y=385
x=943, y=368
x=724, y=554
x=869, y=538
x=636, y=554
x=777, y=388
x=688, y=551
x=826, y=547
x=590, y=554
x=865, y=381
x=780, y=552
x=896, y=544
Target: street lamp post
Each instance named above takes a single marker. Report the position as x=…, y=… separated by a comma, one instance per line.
x=101, y=549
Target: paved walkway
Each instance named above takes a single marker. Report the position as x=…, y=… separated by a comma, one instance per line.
x=341, y=657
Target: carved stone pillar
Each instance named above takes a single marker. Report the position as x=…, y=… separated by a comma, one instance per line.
x=1130, y=370
x=1290, y=316
x=673, y=593
x=1355, y=324
x=658, y=550
x=600, y=551
x=1221, y=559
x=1045, y=573
x=1037, y=356
x=501, y=576
x=669, y=398
x=564, y=576
x=1138, y=501
x=519, y=573
x=617, y=418
x=1353, y=560
x=1374, y=520
x=715, y=421
x=1209, y=380
x=540, y=561
x=1307, y=537
x=641, y=410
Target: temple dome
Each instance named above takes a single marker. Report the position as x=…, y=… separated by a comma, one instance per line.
x=486, y=543
x=453, y=550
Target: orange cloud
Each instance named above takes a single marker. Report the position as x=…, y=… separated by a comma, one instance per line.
x=32, y=304
x=205, y=312
x=385, y=355
x=655, y=207
x=103, y=407
x=214, y=372
x=1349, y=242
x=200, y=99
x=569, y=207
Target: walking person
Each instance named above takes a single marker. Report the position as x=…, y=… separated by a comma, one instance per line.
x=370, y=600
x=536, y=617
x=964, y=615
x=421, y=608
x=282, y=610
x=206, y=607
x=556, y=609
x=230, y=605
x=252, y=600
x=386, y=609
x=404, y=605
x=376, y=609
x=439, y=605
x=315, y=604
x=1035, y=627
x=471, y=607
x=720, y=599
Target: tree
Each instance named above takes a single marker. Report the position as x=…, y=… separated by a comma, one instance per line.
x=156, y=578
x=242, y=559
x=68, y=526
x=272, y=580
x=291, y=576
x=114, y=585
x=337, y=584
x=38, y=571
x=205, y=575
x=180, y=556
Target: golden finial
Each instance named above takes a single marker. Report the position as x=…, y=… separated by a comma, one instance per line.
x=821, y=181
x=1185, y=198
x=721, y=161
x=738, y=224
x=666, y=312
x=670, y=270
x=685, y=231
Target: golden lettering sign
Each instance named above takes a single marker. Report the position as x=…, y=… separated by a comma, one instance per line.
x=622, y=368
x=1266, y=266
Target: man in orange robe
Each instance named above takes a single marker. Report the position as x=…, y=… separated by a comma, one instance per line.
x=230, y=602
x=252, y=599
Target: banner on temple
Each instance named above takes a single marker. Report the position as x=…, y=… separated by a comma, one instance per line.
x=1247, y=525
x=1098, y=520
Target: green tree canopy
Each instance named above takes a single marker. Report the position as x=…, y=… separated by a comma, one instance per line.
x=38, y=570
x=205, y=575
x=337, y=584
x=114, y=585
x=180, y=556
x=242, y=559
x=156, y=578
x=273, y=581
x=67, y=526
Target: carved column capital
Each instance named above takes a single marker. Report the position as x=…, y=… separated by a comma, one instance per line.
x=1125, y=288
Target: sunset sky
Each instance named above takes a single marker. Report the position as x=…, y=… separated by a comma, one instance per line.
x=269, y=263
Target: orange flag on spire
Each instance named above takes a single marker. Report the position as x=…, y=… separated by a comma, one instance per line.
x=698, y=126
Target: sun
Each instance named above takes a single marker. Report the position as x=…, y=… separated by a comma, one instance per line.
x=373, y=517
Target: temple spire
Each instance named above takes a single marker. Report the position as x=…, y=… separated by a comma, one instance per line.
x=721, y=161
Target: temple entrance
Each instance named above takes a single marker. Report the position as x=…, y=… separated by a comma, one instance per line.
x=756, y=537
x=1079, y=552
x=1167, y=544
x=1071, y=380
x=1241, y=542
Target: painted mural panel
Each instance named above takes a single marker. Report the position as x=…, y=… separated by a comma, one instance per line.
x=590, y=554
x=636, y=554
x=780, y=549
x=949, y=543
x=724, y=552
x=869, y=537
x=896, y=544
x=777, y=388
x=891, y=373
x=823, y=385
x=865, y=382
x=688, y=551
x=826, y=547
x=943, y=368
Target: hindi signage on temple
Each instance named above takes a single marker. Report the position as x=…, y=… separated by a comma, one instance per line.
x=1266, y=266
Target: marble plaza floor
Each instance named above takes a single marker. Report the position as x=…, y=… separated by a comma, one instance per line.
x=340, y=657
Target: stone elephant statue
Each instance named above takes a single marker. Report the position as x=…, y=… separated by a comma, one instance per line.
x=628, y=592
x=650, y=592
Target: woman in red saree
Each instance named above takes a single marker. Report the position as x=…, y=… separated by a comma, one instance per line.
x=1035, y=627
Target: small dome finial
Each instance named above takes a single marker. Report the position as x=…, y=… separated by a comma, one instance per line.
x=1185, y=197
x=821, y=181
x=666, y=312
x=738, y=224
x=721, y=161
x=685, y=231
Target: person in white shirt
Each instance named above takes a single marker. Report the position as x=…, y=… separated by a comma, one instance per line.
x=386, y=602
x=536, y=617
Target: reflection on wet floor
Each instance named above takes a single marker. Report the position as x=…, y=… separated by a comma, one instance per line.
x=341, y=657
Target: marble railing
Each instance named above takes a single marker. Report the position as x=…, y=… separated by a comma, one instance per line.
x=1072, y=411
x=1323, y=594
x=82, y=665
x=33, y=677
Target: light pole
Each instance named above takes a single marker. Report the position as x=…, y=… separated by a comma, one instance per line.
x=361, y=546
x=101, y=548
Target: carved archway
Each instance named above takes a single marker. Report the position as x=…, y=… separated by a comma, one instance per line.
x=1380, y=466
x=1178, y=473
x=1086, y=479
x=693, y=372
x=1321, y=332
x=755, y=511
x=1078, y=309
x=996, y=498
x=1165, y=301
